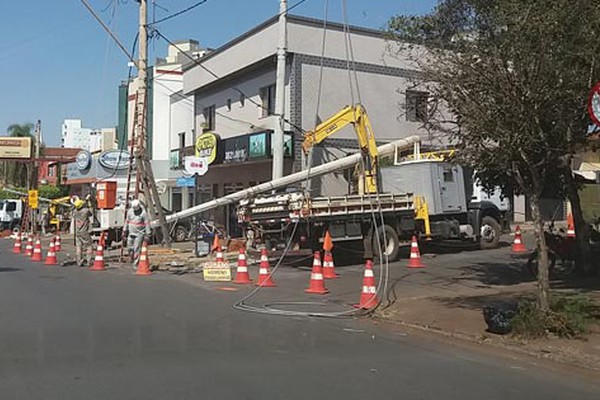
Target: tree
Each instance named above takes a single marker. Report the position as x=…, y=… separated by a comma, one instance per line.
x=516, y=74
x=17, y=173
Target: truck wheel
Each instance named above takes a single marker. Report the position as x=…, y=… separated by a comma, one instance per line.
x=180, y=233
x=490, y=233
x=391, y=245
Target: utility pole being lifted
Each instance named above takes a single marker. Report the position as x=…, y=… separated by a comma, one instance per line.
x=278, y=139
x=145, y=176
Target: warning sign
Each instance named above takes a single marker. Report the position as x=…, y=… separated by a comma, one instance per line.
x=216, y=272
x=33, y=199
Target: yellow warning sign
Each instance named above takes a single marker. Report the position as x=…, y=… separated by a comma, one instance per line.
x=216, y=271
x=33, y=198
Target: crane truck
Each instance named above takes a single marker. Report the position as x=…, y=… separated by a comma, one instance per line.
x=425, y=196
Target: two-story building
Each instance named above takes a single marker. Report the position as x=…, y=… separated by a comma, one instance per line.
x=234, y=98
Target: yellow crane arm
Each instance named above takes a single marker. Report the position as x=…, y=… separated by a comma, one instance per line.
x=358, y=118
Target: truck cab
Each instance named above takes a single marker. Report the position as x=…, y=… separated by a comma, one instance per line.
x=10, y=213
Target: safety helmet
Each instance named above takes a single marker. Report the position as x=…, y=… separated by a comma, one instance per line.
x=79, y=203
x=135, y=204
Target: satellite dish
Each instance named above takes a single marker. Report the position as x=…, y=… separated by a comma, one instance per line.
x=161, y=187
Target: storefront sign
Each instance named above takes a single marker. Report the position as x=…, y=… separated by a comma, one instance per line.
x=207, y=146
x=114, y=159
x=186, y=182
x=196, y=165
x=83, y=160
x=33, y=199
x=259, y=145
x=15, y=148
x=216, y=272
x=236, y=149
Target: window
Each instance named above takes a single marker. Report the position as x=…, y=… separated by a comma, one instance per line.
x=416, y=106
x=228, y=104
x=242, y=100
x=181, y=149
x=51, y=171
x=448, y=175
x=209, y=118
x=267, y=97
x=11, y=206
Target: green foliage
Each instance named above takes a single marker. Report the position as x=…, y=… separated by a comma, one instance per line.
x=569, y=317
x=52, y=192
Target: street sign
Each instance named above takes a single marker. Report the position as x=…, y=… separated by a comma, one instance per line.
x=214, y=271
x=33, y=199
x=594, y=104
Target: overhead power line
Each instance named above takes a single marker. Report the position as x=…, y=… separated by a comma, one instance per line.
x=178, y=13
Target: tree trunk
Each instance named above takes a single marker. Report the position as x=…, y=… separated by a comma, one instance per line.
x=583, y=258
x=543, y=278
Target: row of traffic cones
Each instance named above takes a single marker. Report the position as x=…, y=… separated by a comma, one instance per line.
x=35, y=252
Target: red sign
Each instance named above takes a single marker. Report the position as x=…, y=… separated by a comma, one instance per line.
x=594, y=104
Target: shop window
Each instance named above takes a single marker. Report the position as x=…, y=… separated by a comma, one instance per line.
x=210, y=115
x=267, y=97
x=416, y=106
x=176, y=203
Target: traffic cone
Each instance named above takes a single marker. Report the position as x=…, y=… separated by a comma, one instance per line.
x=51, y=256
x=29, y=246
x=99, y=259
x=317, y=284
x=518, y=246
x=415, y=256
x=37, y=251
x=328, y=267
x=17, y=245
x=264, y=276
x=241, y=275
x=570, y=226
x=143, y=267
x=57, y=246
x=368, y=296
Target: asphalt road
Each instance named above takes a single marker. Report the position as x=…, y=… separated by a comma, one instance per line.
x=68, y=333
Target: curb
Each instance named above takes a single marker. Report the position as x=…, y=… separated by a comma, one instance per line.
x=580, y=364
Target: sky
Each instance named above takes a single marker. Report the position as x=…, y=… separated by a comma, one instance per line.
x=56, y=62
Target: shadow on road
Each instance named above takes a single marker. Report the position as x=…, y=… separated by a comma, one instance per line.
x=9, y=269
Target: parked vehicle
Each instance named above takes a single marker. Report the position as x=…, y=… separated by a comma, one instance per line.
x=11, y=212
x=426, y=197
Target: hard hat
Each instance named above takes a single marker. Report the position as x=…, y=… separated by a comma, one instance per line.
x=135, y=204
x=79, y=203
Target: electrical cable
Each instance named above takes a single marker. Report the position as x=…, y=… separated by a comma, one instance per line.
x=178, y=13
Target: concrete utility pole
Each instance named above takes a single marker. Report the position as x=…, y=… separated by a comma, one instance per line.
x=278, y=139
x=142, y=77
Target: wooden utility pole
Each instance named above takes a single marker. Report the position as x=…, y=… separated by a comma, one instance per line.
x=145, y=176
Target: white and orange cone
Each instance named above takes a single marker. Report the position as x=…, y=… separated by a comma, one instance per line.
x=368, y=296
x=99, y=258
x=17, y=245
x=264, y=275
x=570, y=226
x=518, y=246
x=29, y=246
x=242, y=276
x=415, y=255
x=57, y=246
x=37, y=251
x=51, y=255
x=328, y=266
x=317, y=283
x=143, y=267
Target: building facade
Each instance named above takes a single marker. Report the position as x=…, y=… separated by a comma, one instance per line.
x=234, y=99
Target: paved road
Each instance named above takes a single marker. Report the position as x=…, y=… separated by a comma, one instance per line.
x=67, y=334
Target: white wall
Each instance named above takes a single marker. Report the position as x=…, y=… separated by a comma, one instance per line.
x=241, y=119
x=181, y=119
x=166, y=81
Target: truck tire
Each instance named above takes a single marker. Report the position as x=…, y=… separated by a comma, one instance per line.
x=489, y=233
x=392, y=243
x=180, y=234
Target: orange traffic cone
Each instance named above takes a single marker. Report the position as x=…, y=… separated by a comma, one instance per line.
x=29, y=246
x=518, y=246
x=317, y=284
x=99, y=259
x=264, y=276
x=57, y=246
x=37, y=251
x=415, y=256
x=368, y=296
x=570, y=226
x=242, y=276
x=17, y=245
x=328, y=267
x=144, y=264
x=51, y=256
